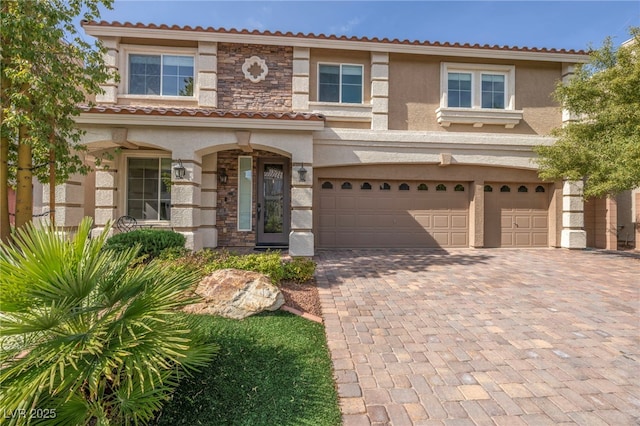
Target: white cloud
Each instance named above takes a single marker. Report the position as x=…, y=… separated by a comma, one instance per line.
x=347, y=27
x=251, y=23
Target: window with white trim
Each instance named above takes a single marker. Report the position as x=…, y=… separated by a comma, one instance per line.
x=340, y=83
x=477, y=94
x=161, y=75
x=148, y=188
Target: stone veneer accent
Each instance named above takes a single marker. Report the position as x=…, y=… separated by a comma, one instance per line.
x=573, y=234
x=379, y=90
x=237, y=93
x=227, y=200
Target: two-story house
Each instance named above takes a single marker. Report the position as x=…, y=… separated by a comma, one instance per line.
x=243, y=138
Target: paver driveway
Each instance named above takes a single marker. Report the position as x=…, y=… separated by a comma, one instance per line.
x=465, y=337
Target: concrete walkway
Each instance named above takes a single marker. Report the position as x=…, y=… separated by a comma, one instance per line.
x=483, y=337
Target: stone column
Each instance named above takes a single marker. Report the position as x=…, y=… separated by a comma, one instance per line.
x=636, y=215
x=111, y=60
x=300, y=83
x=209, y=201
x=69, y=209
x=106, y=197
x=301, y=240
x=186, y=200
x=476, y=214
x=207, y=74
x=573, y=234
x=380, y=90
x=611, y=224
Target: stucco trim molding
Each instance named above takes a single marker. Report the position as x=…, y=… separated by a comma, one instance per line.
x=478, y=117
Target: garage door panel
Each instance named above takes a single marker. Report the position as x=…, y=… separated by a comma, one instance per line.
x=523, y=217
x=522, y=222
x=459, y=239
x=459, y=221
x=345, y=203
x=440, y=221
x=327, y=221
x=424, y=220
x=540, y=239
x=540, y=222
x=345, y=221
x=522, y=239
x=393, y=218
x=327, y=202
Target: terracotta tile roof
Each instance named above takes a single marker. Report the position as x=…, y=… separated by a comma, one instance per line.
x=199, y=112
x=385, y=40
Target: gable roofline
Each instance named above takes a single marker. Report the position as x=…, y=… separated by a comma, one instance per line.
x=311, y=40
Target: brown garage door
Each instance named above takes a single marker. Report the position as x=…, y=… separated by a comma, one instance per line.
x=516, y=215
x=374, y=213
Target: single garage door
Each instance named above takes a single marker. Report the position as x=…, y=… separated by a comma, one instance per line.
x=516, y=215
x=374, y=213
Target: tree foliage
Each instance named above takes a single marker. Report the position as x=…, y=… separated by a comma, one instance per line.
x=603, y=146
x=47, y=70
x=88, y=336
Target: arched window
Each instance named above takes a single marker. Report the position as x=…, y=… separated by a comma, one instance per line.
x=346, y=185
x=441, y=187
x=459, y=188
x=523, y=188
x=423, y=187
x=365, y=185
x=539, y=188
x=404, y=187
x=505, y=188
x=327, y=185
x=385, y=187
x=488, y=188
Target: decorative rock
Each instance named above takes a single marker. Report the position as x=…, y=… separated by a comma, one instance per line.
x=236, y=294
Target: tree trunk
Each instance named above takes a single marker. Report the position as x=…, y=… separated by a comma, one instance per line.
x=52, y=182
x=5, y=227
x=24, y=181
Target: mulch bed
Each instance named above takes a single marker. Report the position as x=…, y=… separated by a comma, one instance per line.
x=303, y=297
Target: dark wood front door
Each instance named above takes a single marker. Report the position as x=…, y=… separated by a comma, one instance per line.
x=274, y=189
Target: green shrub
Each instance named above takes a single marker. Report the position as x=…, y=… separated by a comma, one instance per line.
x=86, y=334
x=151, y=241
x=299, y=269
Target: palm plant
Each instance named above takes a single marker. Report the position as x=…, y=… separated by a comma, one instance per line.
x=88, y=335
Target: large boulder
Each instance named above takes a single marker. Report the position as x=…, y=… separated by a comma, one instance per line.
x=237, y=294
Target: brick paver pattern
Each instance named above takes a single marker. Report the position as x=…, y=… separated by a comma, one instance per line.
x=483, y=337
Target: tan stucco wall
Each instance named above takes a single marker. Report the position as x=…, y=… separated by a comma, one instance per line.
x=338, y=57
x=414, y=95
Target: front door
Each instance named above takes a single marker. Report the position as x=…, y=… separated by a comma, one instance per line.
x=273, y=207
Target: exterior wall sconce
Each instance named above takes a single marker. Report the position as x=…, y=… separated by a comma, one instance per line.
x=222, y=176
x=302, y=173
x=179, y=171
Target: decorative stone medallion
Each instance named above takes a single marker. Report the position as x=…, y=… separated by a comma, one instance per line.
x=255, y=69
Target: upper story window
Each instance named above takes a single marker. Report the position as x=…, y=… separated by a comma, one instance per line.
x=477, y=94
x=340, y=83
x=161, y=75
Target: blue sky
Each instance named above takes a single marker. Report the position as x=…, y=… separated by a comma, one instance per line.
x=558, y=24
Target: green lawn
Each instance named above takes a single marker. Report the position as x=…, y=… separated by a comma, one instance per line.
x=272, y=369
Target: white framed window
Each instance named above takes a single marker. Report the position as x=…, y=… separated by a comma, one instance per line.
x=152, y=71
x=148, y=188
x=245, y=193
x=477, y=94
x=340, y=83
x=161, y=75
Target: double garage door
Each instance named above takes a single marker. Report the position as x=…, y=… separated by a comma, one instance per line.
x=405, y=214
x=372, y=213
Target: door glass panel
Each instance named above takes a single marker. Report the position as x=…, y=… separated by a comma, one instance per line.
x=245, y=184
x=273, y=191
